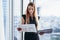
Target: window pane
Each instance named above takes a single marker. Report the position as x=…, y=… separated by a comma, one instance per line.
x=25, y=3
x=49, y=7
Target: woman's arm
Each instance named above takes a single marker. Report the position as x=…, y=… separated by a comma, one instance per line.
x=23, y=21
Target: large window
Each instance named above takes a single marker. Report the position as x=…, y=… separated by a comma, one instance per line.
x=49, y=17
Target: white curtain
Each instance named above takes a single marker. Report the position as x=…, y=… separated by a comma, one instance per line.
x=1, y=22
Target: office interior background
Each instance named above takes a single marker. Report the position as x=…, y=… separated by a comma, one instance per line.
x=47, y=10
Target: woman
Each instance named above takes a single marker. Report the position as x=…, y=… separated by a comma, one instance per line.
x=31, y=18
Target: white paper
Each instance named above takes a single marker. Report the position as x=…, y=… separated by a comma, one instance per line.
x=28, y=28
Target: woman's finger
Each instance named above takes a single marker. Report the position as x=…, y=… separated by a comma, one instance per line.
x=19, y=29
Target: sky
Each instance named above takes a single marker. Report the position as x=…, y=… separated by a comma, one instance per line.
x=49, y=7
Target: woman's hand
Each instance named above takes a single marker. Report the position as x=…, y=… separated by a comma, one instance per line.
x=19, y=29
x=41, y=33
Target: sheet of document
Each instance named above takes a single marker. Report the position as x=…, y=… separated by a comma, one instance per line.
x=28, y=28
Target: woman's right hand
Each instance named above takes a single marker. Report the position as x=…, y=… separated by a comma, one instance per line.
x=19, y=29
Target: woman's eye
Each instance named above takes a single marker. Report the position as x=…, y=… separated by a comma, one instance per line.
x=32, y=9
x=29, y=9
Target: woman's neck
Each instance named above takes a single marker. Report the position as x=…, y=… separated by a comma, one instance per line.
x=31, y=15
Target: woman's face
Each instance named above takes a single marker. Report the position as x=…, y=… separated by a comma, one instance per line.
x=30, y=9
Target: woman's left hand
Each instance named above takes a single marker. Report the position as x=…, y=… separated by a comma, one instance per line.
x=41, y=33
